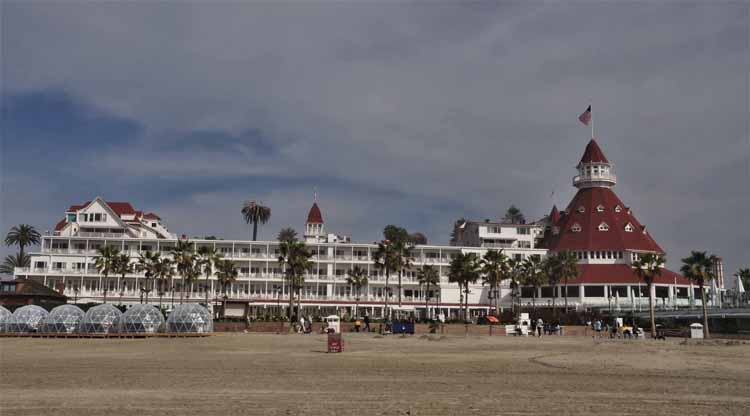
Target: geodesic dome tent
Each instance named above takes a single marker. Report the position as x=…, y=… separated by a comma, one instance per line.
x=63, y=319
x=101, y=319
x=26, y=319
x=4, y=314
x=142, y=318
x=190, y=318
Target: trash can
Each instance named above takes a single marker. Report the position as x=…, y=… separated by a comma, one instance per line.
x=696, y=330
x=335, y=342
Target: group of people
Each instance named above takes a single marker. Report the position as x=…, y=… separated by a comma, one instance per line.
x=614, y=330
x=304, y=325
x=538, y=327
x=358, y=324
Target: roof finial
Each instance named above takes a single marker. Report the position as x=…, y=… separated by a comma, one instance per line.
x=315, y=194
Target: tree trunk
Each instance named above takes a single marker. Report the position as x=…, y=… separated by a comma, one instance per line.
x=399, y=288
x=461, y=299
x=651, y=311
x=426, y=306
x=206, y=288
x=106, y=278
x=224, y=306
x=386, y=314
x=706, y=334
x=554, y=304
x=255, y=230
x=291, y=304
x=533, y=302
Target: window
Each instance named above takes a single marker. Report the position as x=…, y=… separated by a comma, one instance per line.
x=575, y=228
x=618, y=208
x=153, y=224
x=603, y=227
x=581, y=209
x=629, y=227
x=548, y=292
x=573, y=291
x=618, y=291
x=71, y=217
x=593, y=291
x=681, y=292
x=518, y=257
x=527, y=292
x=661, y=291
x=522, y=230
x=600, y=208
x=524, y=244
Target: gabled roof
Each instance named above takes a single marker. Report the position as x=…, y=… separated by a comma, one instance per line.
x=60, y=225
x=593, y=154
x=151, y=216
x=119, y=208
x=314, y=216
x=621, y=274
x=589, y=237
x=554, y=216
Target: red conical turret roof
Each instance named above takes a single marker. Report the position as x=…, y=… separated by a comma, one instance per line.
x=595, y=207
x=314, y=216
x=593, y=154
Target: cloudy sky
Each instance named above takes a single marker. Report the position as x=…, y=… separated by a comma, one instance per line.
x=396, y=113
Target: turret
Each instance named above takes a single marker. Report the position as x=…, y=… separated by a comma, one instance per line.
x=594, y=170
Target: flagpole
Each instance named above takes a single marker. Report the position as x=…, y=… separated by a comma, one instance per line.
x=592, y=121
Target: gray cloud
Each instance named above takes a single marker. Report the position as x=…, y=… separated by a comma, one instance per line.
x=415, y=114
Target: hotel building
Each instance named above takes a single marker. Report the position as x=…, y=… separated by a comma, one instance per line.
x=596, y=225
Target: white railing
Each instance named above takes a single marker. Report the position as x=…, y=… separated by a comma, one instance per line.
x=607, y=177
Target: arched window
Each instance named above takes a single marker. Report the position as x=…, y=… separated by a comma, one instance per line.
x=618, y=208
x=603, y=227
x=575, y=228
x=581, y=209
x=629, y=227
x=600, y=208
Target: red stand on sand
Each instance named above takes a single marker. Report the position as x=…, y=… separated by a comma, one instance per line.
x=335, y=343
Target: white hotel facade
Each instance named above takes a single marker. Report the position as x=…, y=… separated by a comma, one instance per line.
x=65, y=259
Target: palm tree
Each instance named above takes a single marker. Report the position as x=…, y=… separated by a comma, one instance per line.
x=287, y=234
x=184, y=258
x=295, y=258
x=384, y=259
x=16, y=260
x=22, y=235
x=567, y=263
x=515, y=273
x=428, y=276
x=148, y=262
x=163, y=272
x=698, y=268
x=495, y=269
x=208, y=257
x=533, y=275
x=106, y=263
x=226, y=274
x=514, y=215
x=356, y=278
x=551, y=271
x=122, y=266
x=255, y=213
x=647, y=268
x=402, y=244
x=464, y=270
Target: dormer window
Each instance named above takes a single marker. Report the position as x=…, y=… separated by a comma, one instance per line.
x=629, y=227
x=581, y=209
x=575, y=228
x=600, y=208
x=603, y=227
x=618, y=208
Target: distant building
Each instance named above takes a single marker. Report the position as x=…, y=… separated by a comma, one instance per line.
x=21, y=292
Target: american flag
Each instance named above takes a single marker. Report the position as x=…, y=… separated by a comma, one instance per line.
x=585, y=117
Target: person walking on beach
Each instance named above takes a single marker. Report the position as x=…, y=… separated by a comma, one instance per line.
x=539, y=326
x=367, y=323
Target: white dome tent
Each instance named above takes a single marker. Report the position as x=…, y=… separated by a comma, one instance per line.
x=142, y=318
x=4, y=315
x=101, y=319
x=190, y=318
x=64, y=319
x=27, y=318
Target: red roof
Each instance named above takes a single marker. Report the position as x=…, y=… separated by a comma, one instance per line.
x=589, y=237
x=593, y=154
x=554, y=216
x=621, y=273
x=60, y=225
x=315, y=217
x=151, y=216
x=121, y=208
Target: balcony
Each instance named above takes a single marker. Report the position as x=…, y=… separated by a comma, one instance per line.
x=101, y=235
x=607, y=177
